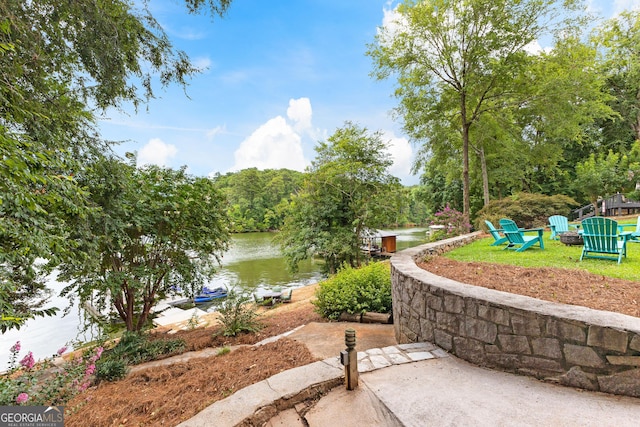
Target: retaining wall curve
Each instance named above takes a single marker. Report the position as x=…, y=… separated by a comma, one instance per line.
x=571, y=345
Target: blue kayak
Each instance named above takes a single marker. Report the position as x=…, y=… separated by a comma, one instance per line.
x=210, y=294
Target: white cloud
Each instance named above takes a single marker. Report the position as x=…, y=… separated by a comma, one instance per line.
x=622, y=5
x=299, y=112
x=393, y=23
x=156, y=152
x=274, y=145
x=534, y=48
x=402, y=154
x=211, y=133
x=202, y=63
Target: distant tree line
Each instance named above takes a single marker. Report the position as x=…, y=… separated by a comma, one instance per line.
x=259, y=200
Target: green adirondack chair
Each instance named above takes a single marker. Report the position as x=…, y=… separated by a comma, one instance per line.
x=602, y=240
x=499, y=239
x=559, y=224
x=517, y=240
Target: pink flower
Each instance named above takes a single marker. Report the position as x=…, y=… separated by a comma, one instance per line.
x=90, y=370
x=15, y=348
x=61, y=350
x=28, y=361
x=97, y=355
x=22, y=398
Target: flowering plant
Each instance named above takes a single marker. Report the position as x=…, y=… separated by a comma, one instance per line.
x=453, y=222
x=28, y=383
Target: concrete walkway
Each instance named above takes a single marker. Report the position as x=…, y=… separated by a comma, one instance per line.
x=414, y=385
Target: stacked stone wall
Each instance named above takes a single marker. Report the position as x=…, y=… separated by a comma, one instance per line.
x=571, y=345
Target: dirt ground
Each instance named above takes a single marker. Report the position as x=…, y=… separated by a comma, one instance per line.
x=170, y=394
x=550, y=284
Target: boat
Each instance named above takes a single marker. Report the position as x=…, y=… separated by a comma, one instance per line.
x=210, y=294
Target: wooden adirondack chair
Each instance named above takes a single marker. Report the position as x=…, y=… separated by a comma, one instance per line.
x=517, y=240
x=602, y=240
x=559, y=224
x=499, y=239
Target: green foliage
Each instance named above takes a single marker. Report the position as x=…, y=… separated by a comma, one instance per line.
x=618, y=40
x=600, y=176
x=257, y=199
x=56, y=77
x=153, y=229
x=111, y=370
x=223, y=351
x=134, y=348
x=348, y=189
x=355, y=291
x=527, y=210
x=445, y=91
x=238, y=315
x=28, y=383
x=454, y=222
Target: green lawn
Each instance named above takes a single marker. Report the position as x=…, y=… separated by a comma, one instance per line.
x=555, y=254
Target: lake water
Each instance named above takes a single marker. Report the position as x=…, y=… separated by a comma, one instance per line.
x=253, y=262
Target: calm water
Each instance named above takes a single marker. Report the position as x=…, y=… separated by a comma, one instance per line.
x=253, y=262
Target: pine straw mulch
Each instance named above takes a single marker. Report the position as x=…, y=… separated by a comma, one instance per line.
x=168, y=395
x=565, y=286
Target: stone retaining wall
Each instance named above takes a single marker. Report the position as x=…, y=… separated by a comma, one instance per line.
x=572, y=345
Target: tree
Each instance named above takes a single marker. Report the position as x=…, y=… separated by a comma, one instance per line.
x=153, y=231
x=619, y=40
x=348, y=190
x=600, y=176
x=455, y=60
x=61, y=64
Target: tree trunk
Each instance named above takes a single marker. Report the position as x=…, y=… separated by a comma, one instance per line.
x=466, y=198
x=485, y=174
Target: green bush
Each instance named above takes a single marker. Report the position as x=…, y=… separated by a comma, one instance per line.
x=237, y=315
x=355, y=291
x=111, y=369
x=526, y=209
x=132, y=349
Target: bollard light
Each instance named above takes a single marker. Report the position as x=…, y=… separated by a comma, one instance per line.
x=349, y=359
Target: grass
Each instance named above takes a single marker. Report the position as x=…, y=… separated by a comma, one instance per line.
x=555, y=254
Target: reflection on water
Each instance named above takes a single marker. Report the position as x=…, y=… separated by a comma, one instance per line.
x=252, y=263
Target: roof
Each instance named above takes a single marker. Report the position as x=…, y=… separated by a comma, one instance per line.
x=368, y=233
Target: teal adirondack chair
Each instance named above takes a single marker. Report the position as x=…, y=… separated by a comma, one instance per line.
x=559, y=224
x=602, y=240
x=517, y=240
x=635, y=235
x=499, y=239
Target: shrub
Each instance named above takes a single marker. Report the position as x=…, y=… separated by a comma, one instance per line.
x=132, y=349
x=355, y=291
x=28, y=383
x=453, y=222
x=237, y=315
x=111, y=370
x=526, y=209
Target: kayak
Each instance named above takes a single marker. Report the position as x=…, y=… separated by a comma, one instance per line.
x=209, y=295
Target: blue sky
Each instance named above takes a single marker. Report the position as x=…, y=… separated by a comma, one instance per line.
x=280, y=76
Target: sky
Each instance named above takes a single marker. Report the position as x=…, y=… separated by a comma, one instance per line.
x=278, y=77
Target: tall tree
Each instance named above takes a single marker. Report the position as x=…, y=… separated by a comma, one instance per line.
x=348, y=189
x=619, y=40
x=154, y=230
x=454, y=59
x=61, y=63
